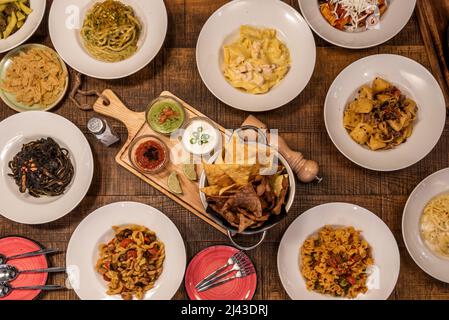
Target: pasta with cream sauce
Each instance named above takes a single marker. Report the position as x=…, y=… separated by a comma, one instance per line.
x=435, y=225
x=257, y=61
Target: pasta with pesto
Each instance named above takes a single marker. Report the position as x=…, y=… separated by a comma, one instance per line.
x=335, y=262
x=381, y=117
x=131, y=262
x=111, y=31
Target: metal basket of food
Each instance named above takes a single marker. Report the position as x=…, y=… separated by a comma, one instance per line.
x=247, y=197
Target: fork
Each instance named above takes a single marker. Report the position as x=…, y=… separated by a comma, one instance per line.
x=242, y=264
x=232, y=261
x=243, y=272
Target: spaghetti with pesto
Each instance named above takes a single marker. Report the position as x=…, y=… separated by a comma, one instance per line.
x=111, y=31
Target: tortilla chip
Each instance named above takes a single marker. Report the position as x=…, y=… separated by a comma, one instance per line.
x=240, y=174
x=216, y=176
x=244, y=223
x=227, y=189
x=211, y=190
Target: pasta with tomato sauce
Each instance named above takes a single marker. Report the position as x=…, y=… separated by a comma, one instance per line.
x=131, y=262
x=335, y=262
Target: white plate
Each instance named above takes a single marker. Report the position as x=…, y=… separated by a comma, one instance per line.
x=65, y=22
x=96, y=228
x=430, y=187
x=31, y=24
x=22, y=128
x=223, y=28
x=391, y=23
x=383, y=275
x=412, y=79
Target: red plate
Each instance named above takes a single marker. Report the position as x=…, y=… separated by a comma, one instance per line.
x=10, y=246
x=207, y=261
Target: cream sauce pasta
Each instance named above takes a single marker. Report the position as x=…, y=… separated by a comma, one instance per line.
x=257, y=61
x=435, y=225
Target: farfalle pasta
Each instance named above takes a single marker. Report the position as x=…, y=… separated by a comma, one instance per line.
x=131, y=262
x=381, y=117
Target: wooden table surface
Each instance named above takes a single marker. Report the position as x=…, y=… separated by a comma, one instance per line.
x=300, y=122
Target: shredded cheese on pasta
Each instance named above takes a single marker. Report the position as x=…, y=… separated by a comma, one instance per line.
x=356, y=9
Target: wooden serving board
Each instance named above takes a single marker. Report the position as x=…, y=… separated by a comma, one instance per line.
x=433, y=17
x=137, y=126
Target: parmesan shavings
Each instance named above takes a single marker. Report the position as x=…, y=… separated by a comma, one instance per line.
x=356, y=9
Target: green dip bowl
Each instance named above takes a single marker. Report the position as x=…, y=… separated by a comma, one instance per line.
x=165, y=115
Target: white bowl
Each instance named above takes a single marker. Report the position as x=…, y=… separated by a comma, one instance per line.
x=22, y=128
x=383, y=274
x=96, y=228
x=66, y=20
x=410, y=77
x=391, y=23
x=223, y=28
x=31, y=24
x=432, y=186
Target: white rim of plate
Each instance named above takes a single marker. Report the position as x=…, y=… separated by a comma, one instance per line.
x=79, y=59
x=317, y=22
x=28, y=29
x=320, y=222
x=422, y=245
x=288, y=88
x=52, y=208
x=81, y=251
x=425, y=150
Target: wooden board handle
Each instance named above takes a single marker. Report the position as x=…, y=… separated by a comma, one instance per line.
x=117, y=110
x=306, y=170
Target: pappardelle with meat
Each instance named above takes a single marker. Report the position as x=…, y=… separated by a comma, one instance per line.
x=257, y=61
x=335, y=262
x=131, y=262
x=381, y=117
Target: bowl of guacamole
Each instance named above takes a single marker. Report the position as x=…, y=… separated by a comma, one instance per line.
x=165, y=115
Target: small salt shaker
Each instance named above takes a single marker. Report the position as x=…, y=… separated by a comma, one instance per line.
x=102, y=131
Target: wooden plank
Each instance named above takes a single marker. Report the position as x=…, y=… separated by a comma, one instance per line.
x=432, y=17
x=136, y=125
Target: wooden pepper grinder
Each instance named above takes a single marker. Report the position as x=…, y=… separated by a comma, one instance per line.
x=306, y=170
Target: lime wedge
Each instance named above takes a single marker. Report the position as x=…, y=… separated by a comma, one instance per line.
x=189, y=170
x=173, y=183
